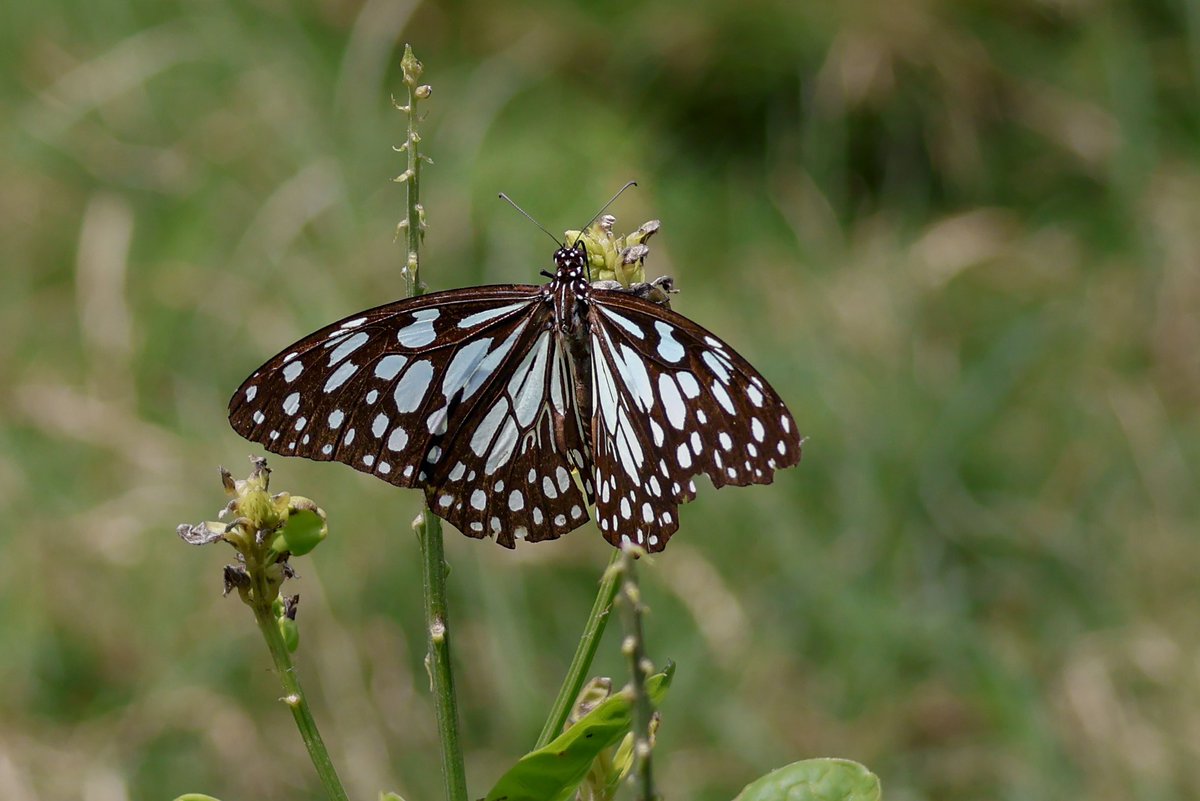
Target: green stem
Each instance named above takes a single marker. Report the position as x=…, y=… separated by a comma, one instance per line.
x=293, y=695
x=433, y=580
x=593, y=630
x=429, y=526
x=633, y=646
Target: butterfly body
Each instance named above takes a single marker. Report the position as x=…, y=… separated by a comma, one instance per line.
x=491, y=398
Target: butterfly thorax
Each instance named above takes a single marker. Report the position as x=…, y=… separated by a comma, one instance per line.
x=568, y=291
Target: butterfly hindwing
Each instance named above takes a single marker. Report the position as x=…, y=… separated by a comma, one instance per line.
x=672, y=401
x=507, y=466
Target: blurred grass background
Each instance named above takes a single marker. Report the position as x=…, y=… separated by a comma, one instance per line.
x=962, y=239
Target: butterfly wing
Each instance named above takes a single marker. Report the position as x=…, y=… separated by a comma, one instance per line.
x=507, y=468
x=363, y=390
x=672, y=401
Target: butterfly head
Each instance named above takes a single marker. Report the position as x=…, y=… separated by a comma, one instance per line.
x=571, y=261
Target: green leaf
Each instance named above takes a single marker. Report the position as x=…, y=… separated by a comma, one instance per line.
x=815, y=780
x=553, y=772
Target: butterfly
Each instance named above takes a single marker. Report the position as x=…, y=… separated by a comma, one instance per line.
x=493, y=398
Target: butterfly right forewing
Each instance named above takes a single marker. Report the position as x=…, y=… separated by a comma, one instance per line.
x=672, y=401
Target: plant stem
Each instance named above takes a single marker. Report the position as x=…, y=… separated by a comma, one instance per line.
x=441, y=678
x=293, y=695
x=633, y=646
x=593, y=630
x=429, y=526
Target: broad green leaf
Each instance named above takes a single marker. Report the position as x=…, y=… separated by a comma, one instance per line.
x=553, y=772
x=815, y=780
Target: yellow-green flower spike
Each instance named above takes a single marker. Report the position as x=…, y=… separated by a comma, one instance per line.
x=611, y=257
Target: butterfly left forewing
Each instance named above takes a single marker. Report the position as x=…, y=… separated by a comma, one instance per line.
x=672, y=401
x=365, y=389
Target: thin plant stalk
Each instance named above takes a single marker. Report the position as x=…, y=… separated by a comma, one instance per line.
x=640, y=668
x=293, y=694
x=429, y=526
x=581, y=663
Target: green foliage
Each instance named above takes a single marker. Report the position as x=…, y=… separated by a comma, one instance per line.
x=815, y=780
x=553, y=772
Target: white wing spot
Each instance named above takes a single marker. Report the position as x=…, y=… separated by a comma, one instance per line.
x=340, y=376
x=726, y=441
x=576, y=511
x=786, y=422
x=445, y=500
x=301, y=423
x=291, y=403
x=624, y=322
x=756, y=428
x=564, y=478
x=458, y=472
x=723, y=398
x=385, y=468
x=696, y=442
x=419, y=332
x=348, y=346
x=668, y=391
x=472, y=320
x=486, y=432
x=379, y=425
x=716, y=365
x=410, y=389
x=327, y=449
x=687, y=382
x=685, y=458
x=549, y=488
x=560, y=520
x=668, y=348
x=625, y=510
x=516, y=501
x=355, y=323
x=336, y=417
x=398, y=439
x=251, y=392
x=537, y=516
x=647, y=513
x=657, y=431
x=258, y=417
x=478, y=499
x=389, y=366
x=368, y=459
x=755, y=396
x=349, y=437
x=291, y=372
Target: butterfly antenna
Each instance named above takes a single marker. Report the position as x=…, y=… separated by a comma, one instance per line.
x=526, y=215
x=604, y=208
